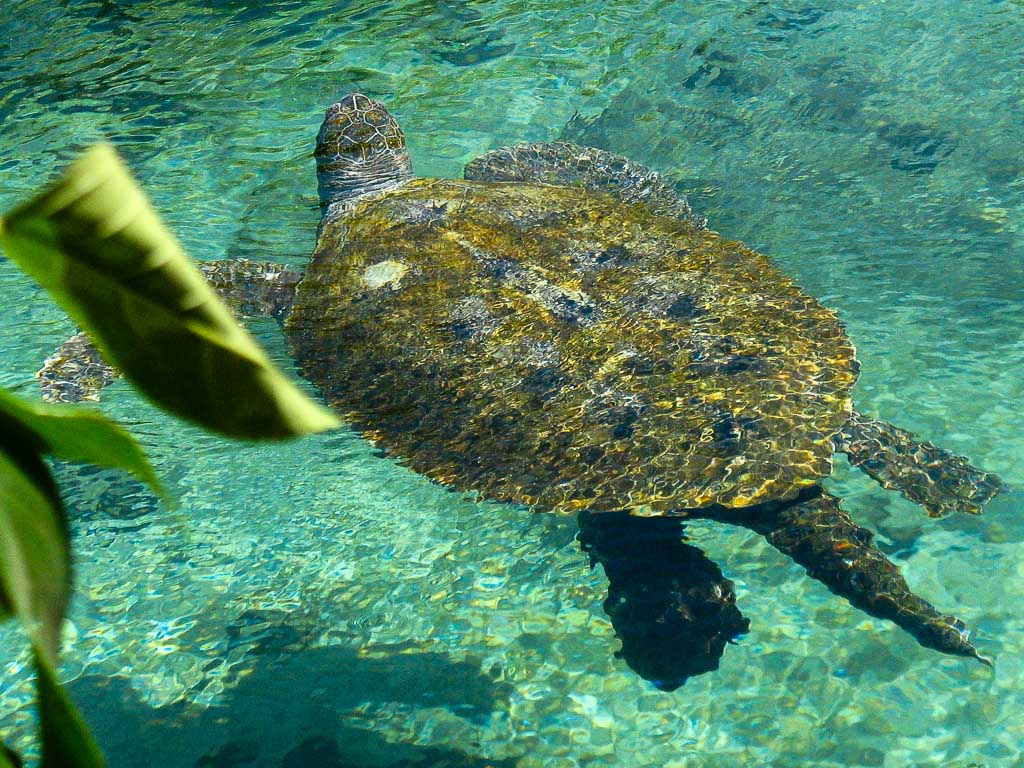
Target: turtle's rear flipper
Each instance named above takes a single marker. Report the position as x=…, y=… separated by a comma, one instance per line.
x=571, y=165
x=935, y=478
x=77, y=372
x=819, y=535
x=670, y=605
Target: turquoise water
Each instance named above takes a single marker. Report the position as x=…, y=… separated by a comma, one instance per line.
x=315, y=591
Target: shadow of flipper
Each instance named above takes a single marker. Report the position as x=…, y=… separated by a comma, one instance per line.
x=670, y=605
x=820, y=536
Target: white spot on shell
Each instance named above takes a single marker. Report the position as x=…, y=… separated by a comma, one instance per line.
x=384, y=273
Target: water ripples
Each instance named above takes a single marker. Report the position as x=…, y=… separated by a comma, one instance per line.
x=872, y=149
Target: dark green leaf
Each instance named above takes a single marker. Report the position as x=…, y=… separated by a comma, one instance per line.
x=78, y=434
x=6, y=609
x=95, y=244
x=9, y=758
x=35, y=556
x=66, y=740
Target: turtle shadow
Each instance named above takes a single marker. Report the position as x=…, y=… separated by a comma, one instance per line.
x=670, y=606
x=289, y=711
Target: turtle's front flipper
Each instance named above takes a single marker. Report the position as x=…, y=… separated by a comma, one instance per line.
x=74, y=372
x=933, y=477
x=819, y=535
x=77, y=372
x=253, y=288
x=571, y=165
x=670, y=605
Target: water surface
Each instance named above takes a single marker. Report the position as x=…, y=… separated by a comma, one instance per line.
x=315, y=596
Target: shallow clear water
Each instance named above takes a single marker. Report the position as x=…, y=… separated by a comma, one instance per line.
x=315, y=590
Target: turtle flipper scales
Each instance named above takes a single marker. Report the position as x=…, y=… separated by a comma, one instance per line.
x=816, y=533
x=933, y=477
x=572, y=165
x=253, y=288
x=76, y=371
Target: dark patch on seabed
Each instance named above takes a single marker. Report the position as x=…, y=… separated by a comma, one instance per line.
x=918, y=148
x=463, y=35
x=288, y=712
x=324, y=752
x=466, y=53
x=105, y=499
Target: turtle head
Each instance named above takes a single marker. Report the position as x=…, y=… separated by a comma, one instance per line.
x=360, y=150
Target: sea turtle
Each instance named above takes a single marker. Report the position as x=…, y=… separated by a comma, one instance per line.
x=560, y=330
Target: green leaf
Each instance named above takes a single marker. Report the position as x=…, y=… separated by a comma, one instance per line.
x=79, y=434
x=93, y=241
x=35, y=555
x=66, y=740
x=9, y=758
x=6, y=609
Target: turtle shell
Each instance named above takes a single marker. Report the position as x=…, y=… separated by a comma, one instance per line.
x=557, y=347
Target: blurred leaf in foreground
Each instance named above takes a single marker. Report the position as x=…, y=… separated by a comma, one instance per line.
x=78, y=434
x=35, y=555
x=66, y=740
x=9, y=758
x=93, y=241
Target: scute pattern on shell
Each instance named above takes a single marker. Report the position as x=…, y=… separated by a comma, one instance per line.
x=597, y=357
